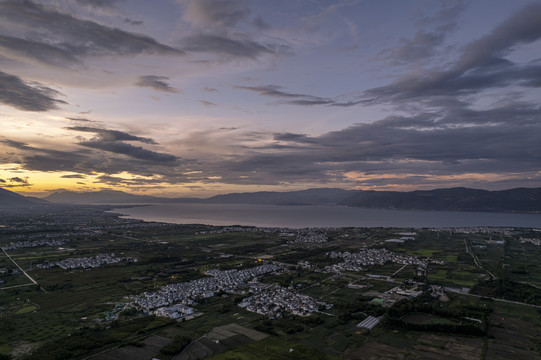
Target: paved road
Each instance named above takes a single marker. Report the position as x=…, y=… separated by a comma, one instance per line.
x=22, y=270
x=476, y=261
x=15, y=286
x=498, y=299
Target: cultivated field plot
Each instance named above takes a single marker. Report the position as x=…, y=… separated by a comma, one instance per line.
x=426, y=347
x=218, y=340
x=511, y=338
x=226, y=331
x=149, y=350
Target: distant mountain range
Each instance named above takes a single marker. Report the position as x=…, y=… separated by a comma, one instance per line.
x=9, y=198
x=452, y=199
x=303, y=197
x=321, y=196
x=107, y=197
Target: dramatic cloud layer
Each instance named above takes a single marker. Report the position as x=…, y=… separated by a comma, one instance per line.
x=112, y=141
x=47, y=36
x=482, y=64
x=213, y=96
x=94, y=156
x=19, y=94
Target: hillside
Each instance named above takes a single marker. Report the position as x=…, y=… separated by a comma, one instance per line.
x=453, y=199
x=10, y=198
x=303, y=197
x=323, y=196
x=103, y=197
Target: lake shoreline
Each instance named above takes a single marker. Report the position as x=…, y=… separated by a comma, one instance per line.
x=302, y=216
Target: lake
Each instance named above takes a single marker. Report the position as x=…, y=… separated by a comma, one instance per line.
x=321, y=216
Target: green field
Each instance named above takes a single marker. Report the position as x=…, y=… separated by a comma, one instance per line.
x=65, y=317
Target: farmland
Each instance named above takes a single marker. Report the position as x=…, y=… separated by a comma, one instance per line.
x=425, y=291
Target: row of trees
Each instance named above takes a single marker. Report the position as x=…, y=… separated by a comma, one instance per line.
x=460, y=328
x=510, y=290
x=454, y=311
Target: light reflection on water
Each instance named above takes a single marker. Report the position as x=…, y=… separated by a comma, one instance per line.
x=321, y=216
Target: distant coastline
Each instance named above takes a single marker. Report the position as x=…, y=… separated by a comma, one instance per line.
x=321, y=216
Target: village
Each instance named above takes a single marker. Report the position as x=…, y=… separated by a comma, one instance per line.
x=86, y=262
x=187, y=293
x=273, y=300
x=310, y=236
x=32, y=244
x=366, y=257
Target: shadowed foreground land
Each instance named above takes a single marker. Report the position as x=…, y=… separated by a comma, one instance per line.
x=436, y=292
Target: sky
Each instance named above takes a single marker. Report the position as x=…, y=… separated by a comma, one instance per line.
x=201, y=97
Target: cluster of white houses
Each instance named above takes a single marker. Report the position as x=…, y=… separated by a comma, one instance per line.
x=174, y=311
x=32, y=244
x=367, y=257
x=310, y=236
x=49, y=235
x=274, y=300
x=87, y=262
x=186, y=293
x=533, y=241
x=478, y=230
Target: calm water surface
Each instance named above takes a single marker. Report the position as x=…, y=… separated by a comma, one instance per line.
x=321, y=216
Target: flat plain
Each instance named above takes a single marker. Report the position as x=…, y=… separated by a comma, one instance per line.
x=469, y=293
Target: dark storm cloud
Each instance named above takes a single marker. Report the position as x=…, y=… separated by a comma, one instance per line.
x=19, y=94
x=157, y=83
x=297, y=99
x=111, y=135
x=64, y=38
